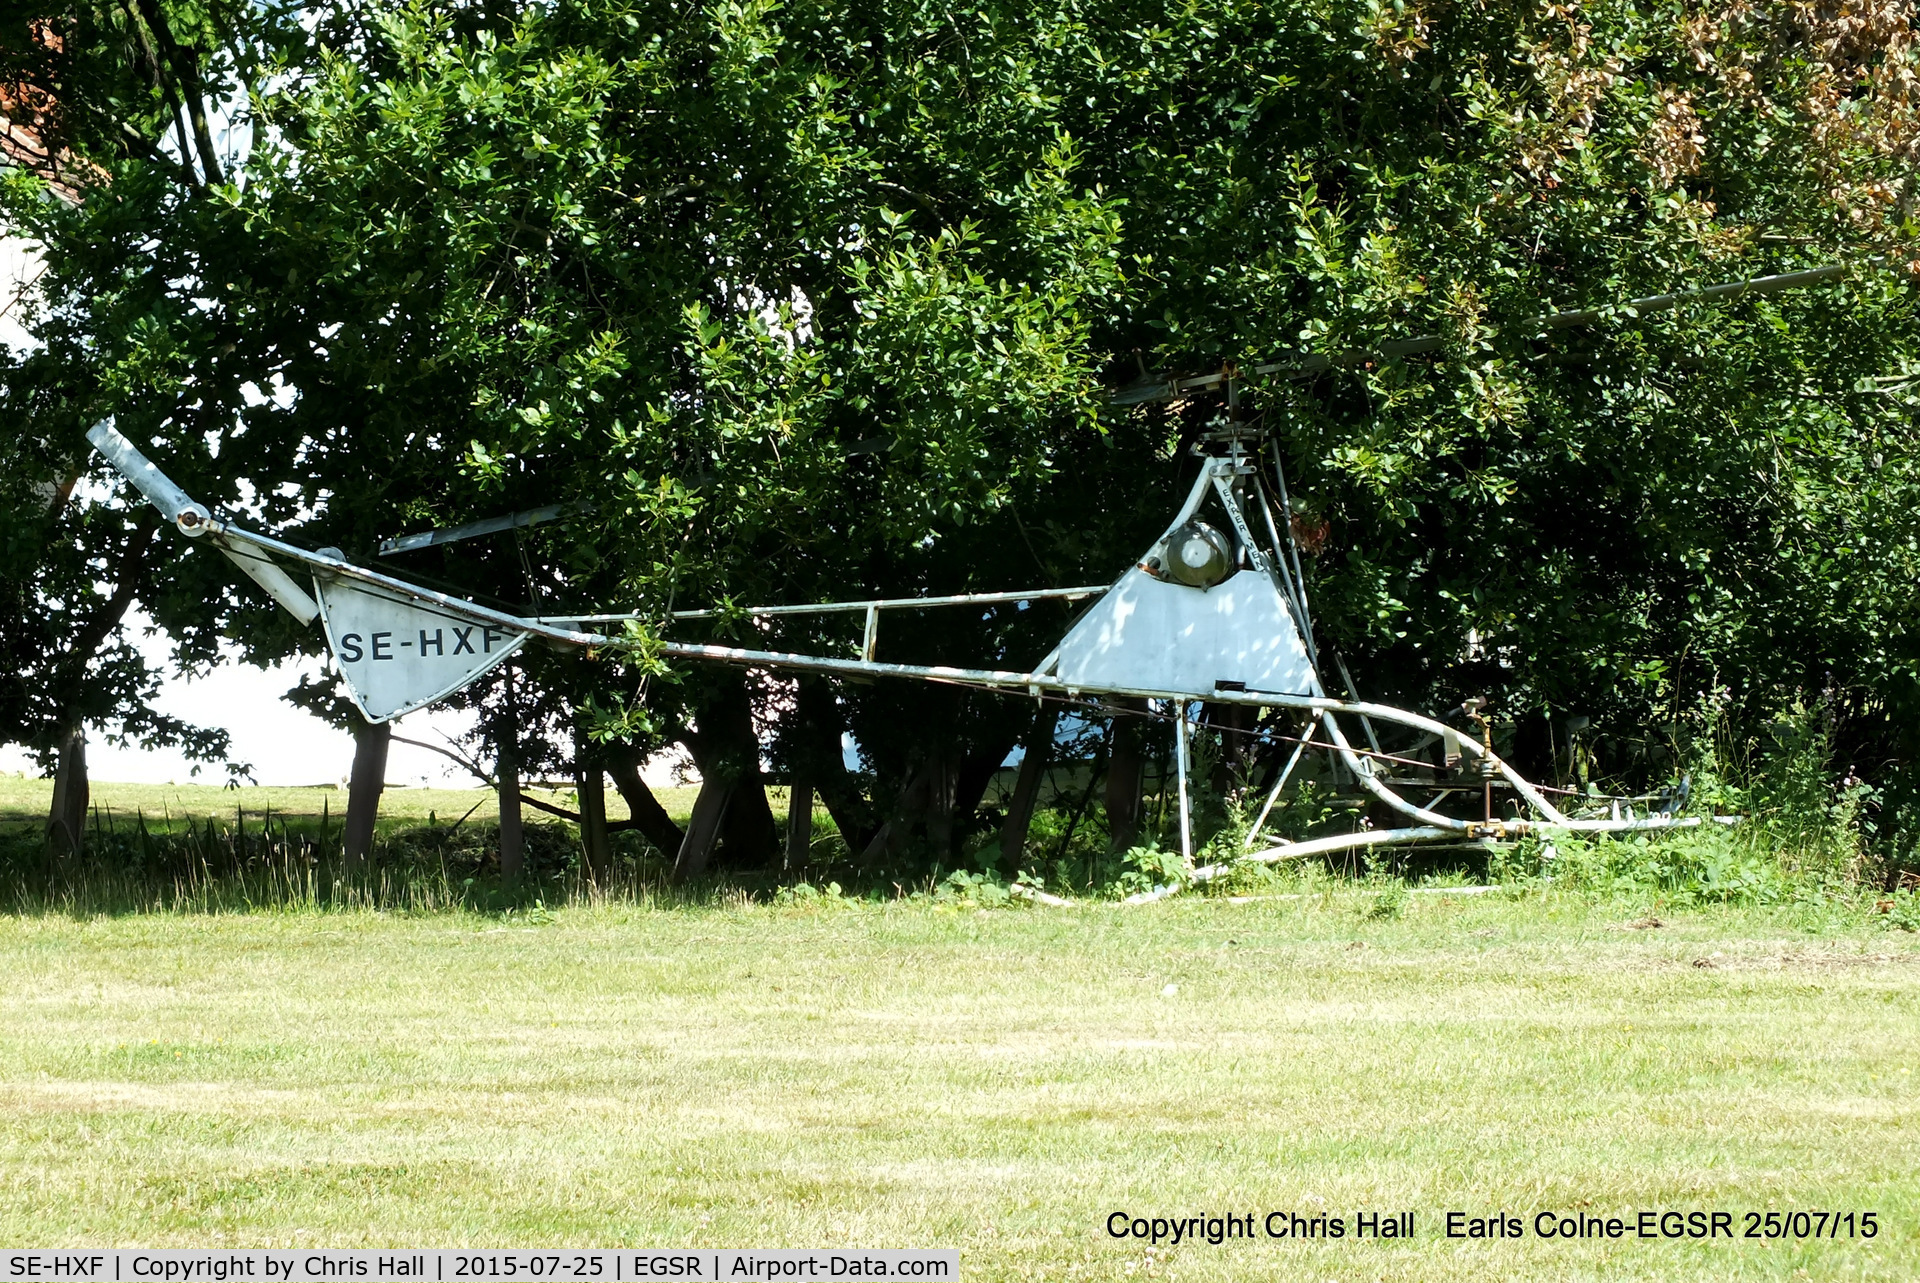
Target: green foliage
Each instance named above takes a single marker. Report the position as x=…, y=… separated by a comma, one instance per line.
x=813, y=301
x=806, y=895
x=127, y=203
x=1800, y=832
x=1303, y=808
x=978, y=890
x=1147, y=868
x=1815, y=823
x=1705, y=867
x=1902, y=910
x=1389, y=904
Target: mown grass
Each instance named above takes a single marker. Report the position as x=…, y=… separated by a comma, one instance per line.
x=917, y=1073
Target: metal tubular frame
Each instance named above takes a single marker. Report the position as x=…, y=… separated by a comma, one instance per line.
x=473, y=529
x=256, y=553
x=1180, y=755
x=1273, y=794
x=841, y=607
x=991, y=679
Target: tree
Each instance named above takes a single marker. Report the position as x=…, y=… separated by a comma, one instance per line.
x=819, y=301
x=120, y=221
x=1614, y=519
x=696, y=327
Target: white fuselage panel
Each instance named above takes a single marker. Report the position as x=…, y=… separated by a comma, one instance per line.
x=399, y=653
x=1146, y=634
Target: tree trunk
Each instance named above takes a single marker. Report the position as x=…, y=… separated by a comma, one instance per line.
x=703, y=829
x=513, y=838
x=1125, y=770
x=370, y=744
x=648, y=816
x=891, y=837
x=799, y=824
x=1026, y=788
x=825, y=763
x=513, y=841
x=184, y=64
x=976, y=776
x=726, y=750
x=590, y=784
x=67, y=814
x=67, y=817
x=749, y=835
x=942, y=777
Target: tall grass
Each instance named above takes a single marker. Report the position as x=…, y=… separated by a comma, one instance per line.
x=1806, y=831
x=261, y=863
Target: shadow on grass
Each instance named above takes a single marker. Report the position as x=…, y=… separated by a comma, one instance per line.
x=257, y=864
x=277, y=864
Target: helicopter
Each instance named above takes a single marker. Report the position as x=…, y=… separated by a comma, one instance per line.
x=1214, y=611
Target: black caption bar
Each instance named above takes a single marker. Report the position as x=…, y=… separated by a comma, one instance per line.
x=686, y=1265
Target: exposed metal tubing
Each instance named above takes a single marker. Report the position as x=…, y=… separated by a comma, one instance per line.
x=1294, y=596
x=842, y=607
x=1732, y=289
x=728, y=654
x=173, y=502
x=1347, y=842
x=1273, y=795
x=999, y=679
x=1295, y=851
x=1195, y=497
x=1388, y=713
x=1648, y=825
x=1180, y=758
x=169, y=498
x=1363, y=773
x=1293, y=550
x=454, y=605
x=472, y=529
x=984, y=677
x=1371, y=838
x=1427, y=833
x=267, y=573
x=1353, y=692
x=990, y=678
x=192, y=519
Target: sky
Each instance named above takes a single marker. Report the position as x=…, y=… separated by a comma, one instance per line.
x=18, y=268
x=282, y=745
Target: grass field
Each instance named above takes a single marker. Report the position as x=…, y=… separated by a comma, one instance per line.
x=913, y=1074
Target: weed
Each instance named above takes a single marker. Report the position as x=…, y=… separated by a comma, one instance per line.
x=1389, y=904
x=979, y=889
x=1701, y=866
x=803, y=894
x=1901, y=910
x=1147, y=867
